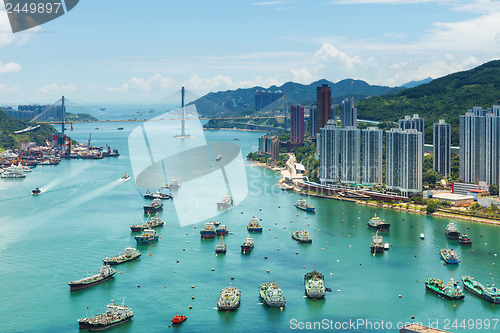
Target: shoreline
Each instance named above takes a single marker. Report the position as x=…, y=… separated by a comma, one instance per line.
x=295, y=188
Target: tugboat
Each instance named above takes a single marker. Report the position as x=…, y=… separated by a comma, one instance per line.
x=449, y=256
x=229, y=299
x=464, y=240
x=178, y=319
x=114, y=315
x=105, y=273
x=130, y=254
x=222, y=230
x=221, y=247
x=488, y=293
x=271, y=295
x=451, y=231
x=148, y=236
x=377, y=244
x=378, y=224
x=451, y=290
x=157, y=195
x=303, y=205
x=125, y=176
x=155, y=206
x=226, y=203
x=154, y=222
x=302, y=236
x=254, y=225
x=36, y=191
x=247, y=245
x=314, y=283
x=110, y=153
x=208, y=231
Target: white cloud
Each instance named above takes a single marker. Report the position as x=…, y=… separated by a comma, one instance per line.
x=5, y=88
x=387, y=2
x=302, y=76
x=268, y=3
x=54, y=88
x=138, y=84
x=8, y=37
x=329, y=52
x=9, y=67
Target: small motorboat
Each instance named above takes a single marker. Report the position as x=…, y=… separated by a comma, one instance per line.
x=36, y=191
x=125, y=176
x=422, y=236
x=178, y=319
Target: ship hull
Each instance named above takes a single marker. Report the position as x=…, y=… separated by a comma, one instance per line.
x=222, y=232
x=484, y=296
x=220, y=251
x=102, y=327
x=145, y=240
x=376, y=249
x=207, y=235
x=315, y=295
x=149, y=209
x=300, y=240
x=254, y=229
x=306, y=209
x=118, y=262
x=443, y=294
x=452, y=235
x=246, y=249
x=379, y=227
x=77, y=286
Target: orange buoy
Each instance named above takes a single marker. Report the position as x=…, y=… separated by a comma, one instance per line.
x=150, y=254
x=120, y=272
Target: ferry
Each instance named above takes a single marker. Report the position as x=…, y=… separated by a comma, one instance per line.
x=147, y=237
x=271, y=295
x=222, y=230
x=488, y=293
x=208, y=231
x=451, y=290
x=451, y=231
x=378, y=224
x=157, y=195
x=114, y=315
x=229, y=299
x=105, y=273
x=130, y=254
x=464, y=240
x=303, y=205
x=226, y=203
x=154, y=207
x=314, y=284
x=254, y=225
x=247, y=245
x=449, y=256
x=302, y=236
x=377, y=244
x=221, y=247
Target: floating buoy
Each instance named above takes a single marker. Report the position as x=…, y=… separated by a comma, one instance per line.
x=359, y=264
x=213, y=269
x=349, y=245
x=150, y=254
x=318, y=229
x=183, y=249
x=195, y=227
x=276, y=237
x=412, y=317
x=337, y=261
x=192, y=286
x=279, y=206
x=268, y=271
x=485, y=243
x=177, y=261
x=303, y=266
x=241, y=212
x=265, y=257
x=284, y=227
x=187, y=241
x=165, y=287
x=260, y=219
x=400, y=296
x=349, y=235
x=192, y=297
x=232, y=277
x=174, y=271
x=338, y=290
x=295, y=253
x=138, y=286
x=260, y=208
x=190, y=306
x=269, y=229
x=308, y=224
x=342, y=220
x=278, y=249
x=187, y=234
x=411, y=226
x=322, y=248
x=493, y=264
x=326, y=242
x=276, y=224
x=120, y=272
x=354, y=226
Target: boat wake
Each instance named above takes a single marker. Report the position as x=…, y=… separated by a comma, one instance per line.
x=73, y=174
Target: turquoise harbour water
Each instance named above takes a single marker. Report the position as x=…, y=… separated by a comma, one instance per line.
x=85, y=212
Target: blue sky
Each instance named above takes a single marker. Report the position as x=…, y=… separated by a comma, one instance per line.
x=121, y=51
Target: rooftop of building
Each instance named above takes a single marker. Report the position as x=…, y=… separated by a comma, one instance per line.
x=452, y=196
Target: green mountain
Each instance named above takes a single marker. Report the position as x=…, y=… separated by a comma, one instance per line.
x=445, y=98
x=212, y=103
x=9, y=125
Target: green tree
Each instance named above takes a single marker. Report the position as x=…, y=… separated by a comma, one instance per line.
x=494, y=189
x=430, y=177
x=431, y=207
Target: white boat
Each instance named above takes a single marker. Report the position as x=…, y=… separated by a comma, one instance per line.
x=422, y=236
x=13, y=174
